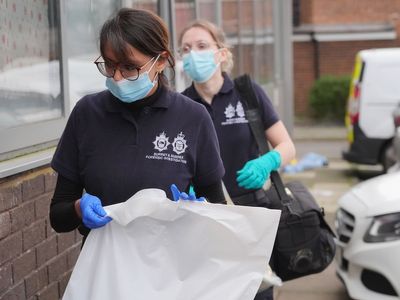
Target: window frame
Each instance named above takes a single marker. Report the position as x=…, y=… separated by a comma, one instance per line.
x=34, y=137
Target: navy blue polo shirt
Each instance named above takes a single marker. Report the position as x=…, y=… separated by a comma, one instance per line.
x=233, y=130
x=115, y=152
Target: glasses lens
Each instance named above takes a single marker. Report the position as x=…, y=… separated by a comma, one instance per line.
x=184, y=50
x=108, y=72
x=202, y=46
x=129, y=72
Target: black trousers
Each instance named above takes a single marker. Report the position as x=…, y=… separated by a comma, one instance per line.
x=257, y=198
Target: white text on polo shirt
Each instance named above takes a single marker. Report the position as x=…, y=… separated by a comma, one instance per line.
x=234, y=115
x=167, y=156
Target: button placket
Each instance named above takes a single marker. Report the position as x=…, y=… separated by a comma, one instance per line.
x=130, y=118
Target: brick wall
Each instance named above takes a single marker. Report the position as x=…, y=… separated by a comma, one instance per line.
x=338, y=57
x=350, y=11
x=303, y=73
x=306, y=9
x=35, y=262
x=335, y=58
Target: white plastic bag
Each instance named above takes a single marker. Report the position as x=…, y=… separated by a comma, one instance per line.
x=159, y=249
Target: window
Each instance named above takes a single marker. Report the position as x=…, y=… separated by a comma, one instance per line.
x=263, y=62
x=29, y=66
x=209, y=10
x=142, y=4
x=31, y=97
x=185, y=12
x=84, y=19
x=248, y=27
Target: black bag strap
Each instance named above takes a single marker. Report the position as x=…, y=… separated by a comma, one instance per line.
x=245, y=88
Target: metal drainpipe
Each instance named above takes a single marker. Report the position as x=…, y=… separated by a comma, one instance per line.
x=316, y=55
x=166, y=10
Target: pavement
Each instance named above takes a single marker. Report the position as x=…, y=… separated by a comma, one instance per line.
x=327, y=184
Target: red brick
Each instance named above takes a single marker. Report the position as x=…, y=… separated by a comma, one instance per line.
x=32, y=187
x=303, y=75
x=50, y=181
x=36, y=281
x=78, y=237
x=5, y=277
x=16, y=292
x=5, y=224
x=65, y=241
x=72, y=255
x=46, y=250
x=34, y=234
x=24, y=264
x=57, y=267
x=23, y=215
x=42, y=206
x=62, y=285
x=10, y=247
x=50, y=292
x=10, y=196
x=348, y=12
x=50, y=232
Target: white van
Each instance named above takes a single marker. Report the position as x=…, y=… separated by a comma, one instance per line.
x=374, y=94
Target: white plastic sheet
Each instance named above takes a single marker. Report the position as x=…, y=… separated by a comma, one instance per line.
x=159, y=249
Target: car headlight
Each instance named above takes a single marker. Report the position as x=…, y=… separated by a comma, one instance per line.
x=383, y=228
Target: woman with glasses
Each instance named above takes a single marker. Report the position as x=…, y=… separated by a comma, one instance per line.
x=137, y=134
x=207, y=61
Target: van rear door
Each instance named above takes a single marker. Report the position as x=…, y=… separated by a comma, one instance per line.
x=380, y=95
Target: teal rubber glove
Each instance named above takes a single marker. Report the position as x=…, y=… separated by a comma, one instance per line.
x=191, y=189
x=255, y=172
x=93, y=213
x=178, y=195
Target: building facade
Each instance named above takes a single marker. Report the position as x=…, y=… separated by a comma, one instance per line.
x=328, y=34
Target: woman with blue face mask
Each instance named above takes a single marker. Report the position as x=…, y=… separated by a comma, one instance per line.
x=134, y=135
x=208, y=61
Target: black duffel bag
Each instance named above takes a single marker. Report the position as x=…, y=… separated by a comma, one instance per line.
x=304, y=242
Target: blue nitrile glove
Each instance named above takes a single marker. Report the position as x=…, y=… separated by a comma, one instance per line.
x=255, y=172
x=178, y=195
x=93, y=213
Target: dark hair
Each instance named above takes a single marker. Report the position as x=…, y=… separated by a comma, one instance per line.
x=141, y=29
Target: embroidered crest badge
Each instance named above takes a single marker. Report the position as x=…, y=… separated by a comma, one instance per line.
x=179, y=144
x=161, y=142
x=240, y=110
x=229, y=111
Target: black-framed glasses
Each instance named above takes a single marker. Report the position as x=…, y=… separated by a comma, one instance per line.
x=128, y=71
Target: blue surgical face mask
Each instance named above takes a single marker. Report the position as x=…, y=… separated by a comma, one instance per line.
x=200, y=65
x=130, y=91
